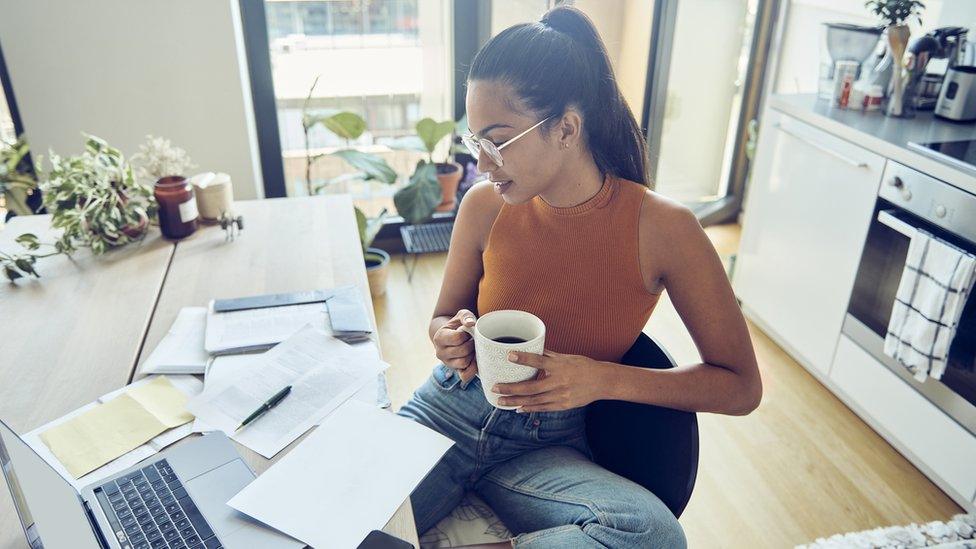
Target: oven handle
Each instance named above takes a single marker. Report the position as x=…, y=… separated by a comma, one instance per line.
x=886, y=218
x=824, y=148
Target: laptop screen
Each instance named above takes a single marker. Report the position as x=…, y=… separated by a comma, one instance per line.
x=49, y=508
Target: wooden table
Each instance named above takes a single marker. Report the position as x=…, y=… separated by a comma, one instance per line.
x=81, y=330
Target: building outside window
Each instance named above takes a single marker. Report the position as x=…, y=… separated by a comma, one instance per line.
x=385, y=60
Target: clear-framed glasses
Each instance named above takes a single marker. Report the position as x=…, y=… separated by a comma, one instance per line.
x=475, y=144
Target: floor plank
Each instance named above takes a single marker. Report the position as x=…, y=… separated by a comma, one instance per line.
x=800, y=467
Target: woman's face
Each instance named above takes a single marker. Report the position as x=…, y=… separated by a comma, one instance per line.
x=530, y=163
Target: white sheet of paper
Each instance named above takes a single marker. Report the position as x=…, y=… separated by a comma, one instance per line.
x=346, y=478
x=240, y=330
x=221, y=372
x=188, y=384
x=323, y=372
x=181, y=351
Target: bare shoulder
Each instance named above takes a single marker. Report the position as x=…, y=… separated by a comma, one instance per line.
x=669, y=230
x=478, y=211
x=666, y=217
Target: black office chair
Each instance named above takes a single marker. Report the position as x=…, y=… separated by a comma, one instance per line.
x=652, y=446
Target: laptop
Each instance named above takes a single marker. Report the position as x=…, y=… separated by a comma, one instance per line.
x=176, y=499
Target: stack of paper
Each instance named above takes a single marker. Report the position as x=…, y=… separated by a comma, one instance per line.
x=347, y=478
x=117, y=431
x=323, y=372
x=182, y=350
x=249, y=326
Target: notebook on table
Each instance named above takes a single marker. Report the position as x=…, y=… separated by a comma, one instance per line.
x=257, y=323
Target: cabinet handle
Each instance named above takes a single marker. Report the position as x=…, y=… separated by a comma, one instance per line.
x=828, y=150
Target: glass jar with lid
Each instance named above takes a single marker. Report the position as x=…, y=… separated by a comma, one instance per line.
x=177, y=207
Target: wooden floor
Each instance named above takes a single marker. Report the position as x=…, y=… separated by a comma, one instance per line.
x=800, y=467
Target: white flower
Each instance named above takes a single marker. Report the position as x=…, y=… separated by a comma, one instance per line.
x=157, y=158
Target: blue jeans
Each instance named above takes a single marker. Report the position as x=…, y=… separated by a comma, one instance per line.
x=534, y=470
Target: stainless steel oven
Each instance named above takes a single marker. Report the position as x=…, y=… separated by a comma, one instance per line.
x=909, y=199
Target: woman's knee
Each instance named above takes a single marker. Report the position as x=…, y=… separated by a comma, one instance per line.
x=656, y=525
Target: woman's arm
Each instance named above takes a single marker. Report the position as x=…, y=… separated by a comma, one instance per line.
x=459, y=288
x=726, y=382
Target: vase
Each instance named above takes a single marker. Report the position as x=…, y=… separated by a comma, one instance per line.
x=448, y=175
x=897, y=42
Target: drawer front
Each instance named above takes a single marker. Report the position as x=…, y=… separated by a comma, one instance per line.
x=938, y=441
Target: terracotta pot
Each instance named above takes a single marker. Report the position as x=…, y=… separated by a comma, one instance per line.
x=448, y=175
x=377, y=270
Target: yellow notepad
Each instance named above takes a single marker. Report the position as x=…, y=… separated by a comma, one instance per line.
x=162, y=400
x=111, y=429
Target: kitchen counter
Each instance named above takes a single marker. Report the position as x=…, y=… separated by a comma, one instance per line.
x=885, y=135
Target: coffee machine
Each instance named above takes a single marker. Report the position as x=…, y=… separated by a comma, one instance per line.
x=845, y=42
x=943, y=43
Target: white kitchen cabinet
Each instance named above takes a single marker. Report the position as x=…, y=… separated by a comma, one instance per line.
x=908, y=420
x=809, y=204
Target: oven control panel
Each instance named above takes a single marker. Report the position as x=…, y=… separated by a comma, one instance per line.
x=932, y=199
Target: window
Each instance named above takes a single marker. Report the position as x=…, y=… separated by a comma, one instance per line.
x=386, y=60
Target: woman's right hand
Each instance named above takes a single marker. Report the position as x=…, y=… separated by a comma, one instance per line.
x=455, y=347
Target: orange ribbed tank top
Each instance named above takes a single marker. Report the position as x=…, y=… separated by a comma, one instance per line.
x=576, y=268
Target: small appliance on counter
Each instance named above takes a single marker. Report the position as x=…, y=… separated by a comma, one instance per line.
x=943, y=43
x=845, y=44
x=957, y=100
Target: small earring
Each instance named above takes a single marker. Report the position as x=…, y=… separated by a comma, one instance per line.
x=565, y=145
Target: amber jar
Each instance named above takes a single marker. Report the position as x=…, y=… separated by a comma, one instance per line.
x=177, y=207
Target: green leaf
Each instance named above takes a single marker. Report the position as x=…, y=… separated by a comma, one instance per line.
x=346, y=125
x=373, y=166
x=431, y=132
x=417, y=200
x=11, y=273
x=28, y=241
x=361, y=223
x=408, y=143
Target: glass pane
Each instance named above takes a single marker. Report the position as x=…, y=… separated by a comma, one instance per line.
x=624, y=26
x=385, y=60
x=710, y=54
x=7, y=135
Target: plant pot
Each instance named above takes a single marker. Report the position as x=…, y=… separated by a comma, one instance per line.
x=377, y=269
x=448, y=175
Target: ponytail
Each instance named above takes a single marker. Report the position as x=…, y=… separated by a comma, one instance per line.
x=561, y=62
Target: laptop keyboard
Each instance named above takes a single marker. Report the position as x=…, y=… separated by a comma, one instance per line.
x=150, y=509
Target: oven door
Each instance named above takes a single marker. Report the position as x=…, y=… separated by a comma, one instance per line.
x=872, y=300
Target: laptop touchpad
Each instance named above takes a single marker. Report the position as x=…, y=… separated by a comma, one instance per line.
x=212, y=490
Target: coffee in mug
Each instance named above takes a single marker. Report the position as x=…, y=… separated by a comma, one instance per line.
x=495, y=335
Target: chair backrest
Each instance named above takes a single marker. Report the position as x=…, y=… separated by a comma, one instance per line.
x=652, y=446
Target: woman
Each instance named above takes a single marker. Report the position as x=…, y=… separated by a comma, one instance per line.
x=567, y=230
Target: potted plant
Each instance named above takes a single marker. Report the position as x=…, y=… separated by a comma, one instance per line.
x=95, y=199
x=894, y=14
x=377, y=260
x=96, y=202
x=15, y=184
x=433, y=185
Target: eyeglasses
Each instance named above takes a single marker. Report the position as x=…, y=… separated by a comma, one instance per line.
x=475, y=145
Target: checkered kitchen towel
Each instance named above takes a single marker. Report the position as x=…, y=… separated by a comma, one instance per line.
x=937, y=279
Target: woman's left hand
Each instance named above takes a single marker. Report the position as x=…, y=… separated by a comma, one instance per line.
x=564, y=382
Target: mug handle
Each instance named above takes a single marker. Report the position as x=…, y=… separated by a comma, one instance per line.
x=470, y=332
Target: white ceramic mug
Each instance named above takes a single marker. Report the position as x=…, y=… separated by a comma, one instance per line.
x=492, y=356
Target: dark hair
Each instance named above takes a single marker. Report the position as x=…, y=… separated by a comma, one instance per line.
x=561, y=62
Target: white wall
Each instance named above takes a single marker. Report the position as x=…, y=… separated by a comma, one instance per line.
x=121, y=69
